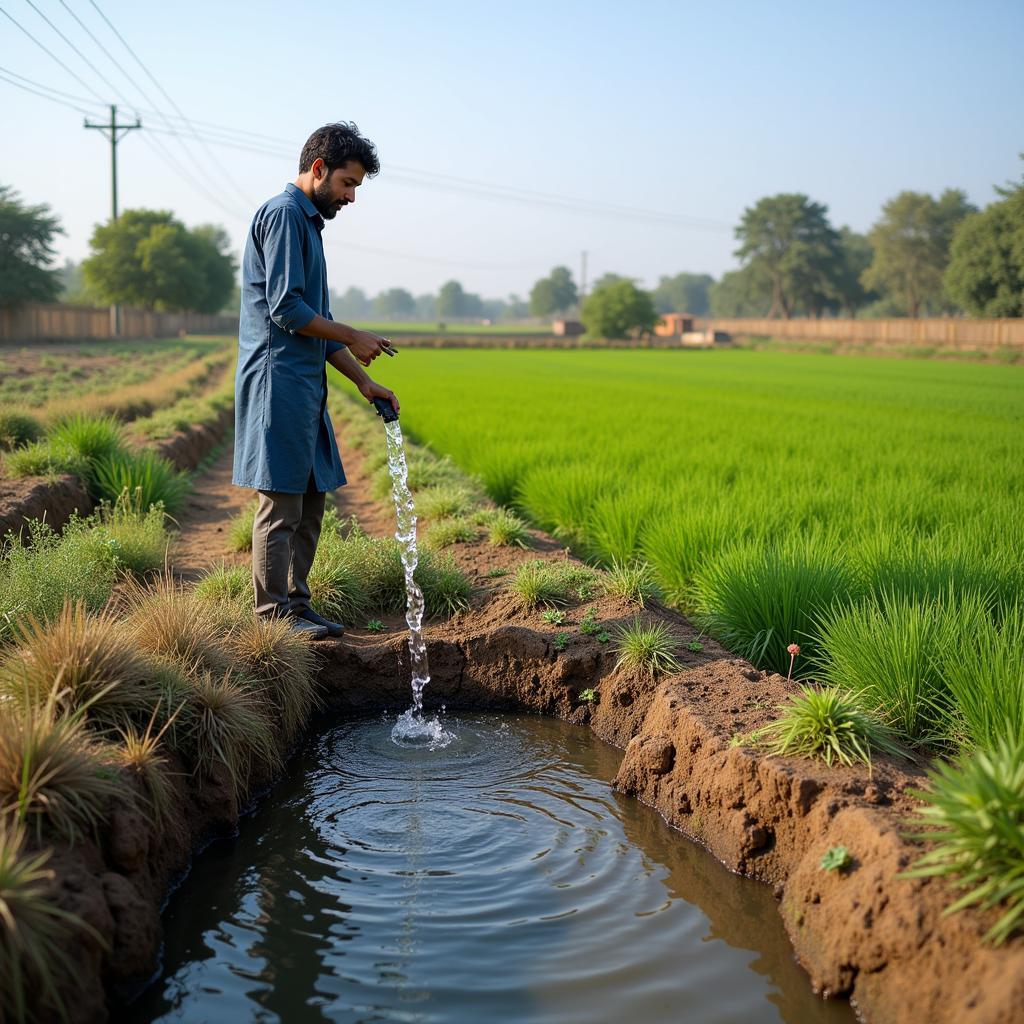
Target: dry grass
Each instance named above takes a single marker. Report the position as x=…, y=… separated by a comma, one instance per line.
x=140, y=755
x=91, y=664
x=280, y=665
x=52, y=773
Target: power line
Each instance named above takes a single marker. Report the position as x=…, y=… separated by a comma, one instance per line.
x=5, y=76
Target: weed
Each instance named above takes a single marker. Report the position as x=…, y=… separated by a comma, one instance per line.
x=139, y=754
x=694, y=645
x=648, y=647
x=589, y=626
x=148, y=477
x=836, y=858
x=240, y=529
x=588, y=696
x=445, y=501
x=633, y=581
x=18, y=429
x=553, y=583
x=553, y=616
x=827, y=723
x=92, y=437
x=446, y=588
x=42, y=458
x=560, y=641
x=445, y=532
x=227, y=584
x=497, y=573
x=376, y=626
x=506, y=529
x=974, y=808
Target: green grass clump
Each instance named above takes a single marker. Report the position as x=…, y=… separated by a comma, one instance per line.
x=445, y=532
x=445, y=501
x=648, y=647
x=227, y=584
x=505, y=529
x=34, y=931
x=446, y=588
x=553, y=583
x=39, y=573
x=632, y=580
x=828, y=723
x=18, y=429
x=135, y=536
x=974, y=808
x=92, y=437
x=148, y=477
x=757, y=600
x=240, y=529
x=42, y=458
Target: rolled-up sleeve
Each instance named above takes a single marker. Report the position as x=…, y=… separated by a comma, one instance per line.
x=285, y=270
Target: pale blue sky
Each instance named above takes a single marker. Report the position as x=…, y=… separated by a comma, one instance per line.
x=684, y=109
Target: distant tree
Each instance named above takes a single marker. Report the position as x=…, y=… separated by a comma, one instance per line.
x=451, y=300
x=553, y=294
x=985, y=275
x=684, y=293
x=614, y=309
x=148, y=258
x=425, y=306
x=395, y=302
x=516, y=308
x=26, y=251
x=73, y=289
x=743, y=292
x=351, y=304
x=855, y=255
x=788, y=239
x=911, y=244
x=609, y=278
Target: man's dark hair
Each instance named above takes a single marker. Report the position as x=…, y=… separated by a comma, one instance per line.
x=336, y=144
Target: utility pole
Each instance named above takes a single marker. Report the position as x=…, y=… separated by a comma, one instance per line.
x=111, y=133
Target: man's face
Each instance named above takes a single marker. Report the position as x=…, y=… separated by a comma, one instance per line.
x=332, y=191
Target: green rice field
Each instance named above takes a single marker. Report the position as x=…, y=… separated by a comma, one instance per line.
x=862, y=508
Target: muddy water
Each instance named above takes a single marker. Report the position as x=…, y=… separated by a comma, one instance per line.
x=499, y=880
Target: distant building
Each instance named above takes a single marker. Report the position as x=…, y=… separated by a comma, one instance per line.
x=674, y=325
x=567, y=328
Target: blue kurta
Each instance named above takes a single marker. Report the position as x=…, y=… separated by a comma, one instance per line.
x=283, y=432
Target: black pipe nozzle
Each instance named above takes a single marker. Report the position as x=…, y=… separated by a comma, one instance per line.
x=385, y=410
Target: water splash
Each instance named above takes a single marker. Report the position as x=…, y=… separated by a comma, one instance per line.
x=411, y=729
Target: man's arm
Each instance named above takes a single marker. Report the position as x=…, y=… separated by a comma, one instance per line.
x=343, y=362
x=364, y=345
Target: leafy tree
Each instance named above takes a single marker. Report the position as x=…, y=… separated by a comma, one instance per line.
x=395, y=302
x=855, y=255
x=351, y=304
x=451, y=300
x=684, y=293
x=553, y=294
x=148, y=258
x=743, y=292
x=615, y=308
x=911, y=244
x=788, y=239
x=26, y=251
x=986, y=266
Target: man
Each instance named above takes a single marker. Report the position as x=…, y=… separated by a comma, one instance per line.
x=284, y=441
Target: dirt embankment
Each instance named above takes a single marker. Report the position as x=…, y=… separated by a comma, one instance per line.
x=55, y=501
x=862, y=932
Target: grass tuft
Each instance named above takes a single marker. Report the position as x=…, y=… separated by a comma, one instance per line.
x=92, y=437
x=148, y=477
x=828, y=723
x=553, y=583
x=506, y=529
x=227, y=584
x=445, y=532
x=648, y=647
x=974, y=808
x=633, y=581
x=18, y=429
x=240, y=529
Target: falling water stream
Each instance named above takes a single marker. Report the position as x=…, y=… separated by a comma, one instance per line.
x=411, y=728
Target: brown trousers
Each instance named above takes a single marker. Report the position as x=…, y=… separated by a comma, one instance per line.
x=285, y=533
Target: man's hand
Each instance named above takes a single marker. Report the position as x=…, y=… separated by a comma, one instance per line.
x=366, y=346
x=371, y=390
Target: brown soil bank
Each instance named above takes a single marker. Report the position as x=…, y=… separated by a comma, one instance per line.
x=862, y=932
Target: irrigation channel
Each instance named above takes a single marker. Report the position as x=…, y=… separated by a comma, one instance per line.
x=472, y=869
x=499, y=878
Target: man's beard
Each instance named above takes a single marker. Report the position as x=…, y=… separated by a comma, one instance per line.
x=322, y=201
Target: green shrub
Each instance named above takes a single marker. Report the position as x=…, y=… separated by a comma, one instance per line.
x=18, y=429
x=974, y=808
x=648, y=647
x=137, y=540
x=827, y=723
x=148, y=477
x=757, y=599
x=43, y=458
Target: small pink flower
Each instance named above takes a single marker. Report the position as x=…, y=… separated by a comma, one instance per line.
x=793, y=649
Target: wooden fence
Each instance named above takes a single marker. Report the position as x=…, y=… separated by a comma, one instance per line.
x=57, y=322
x=933, y=332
